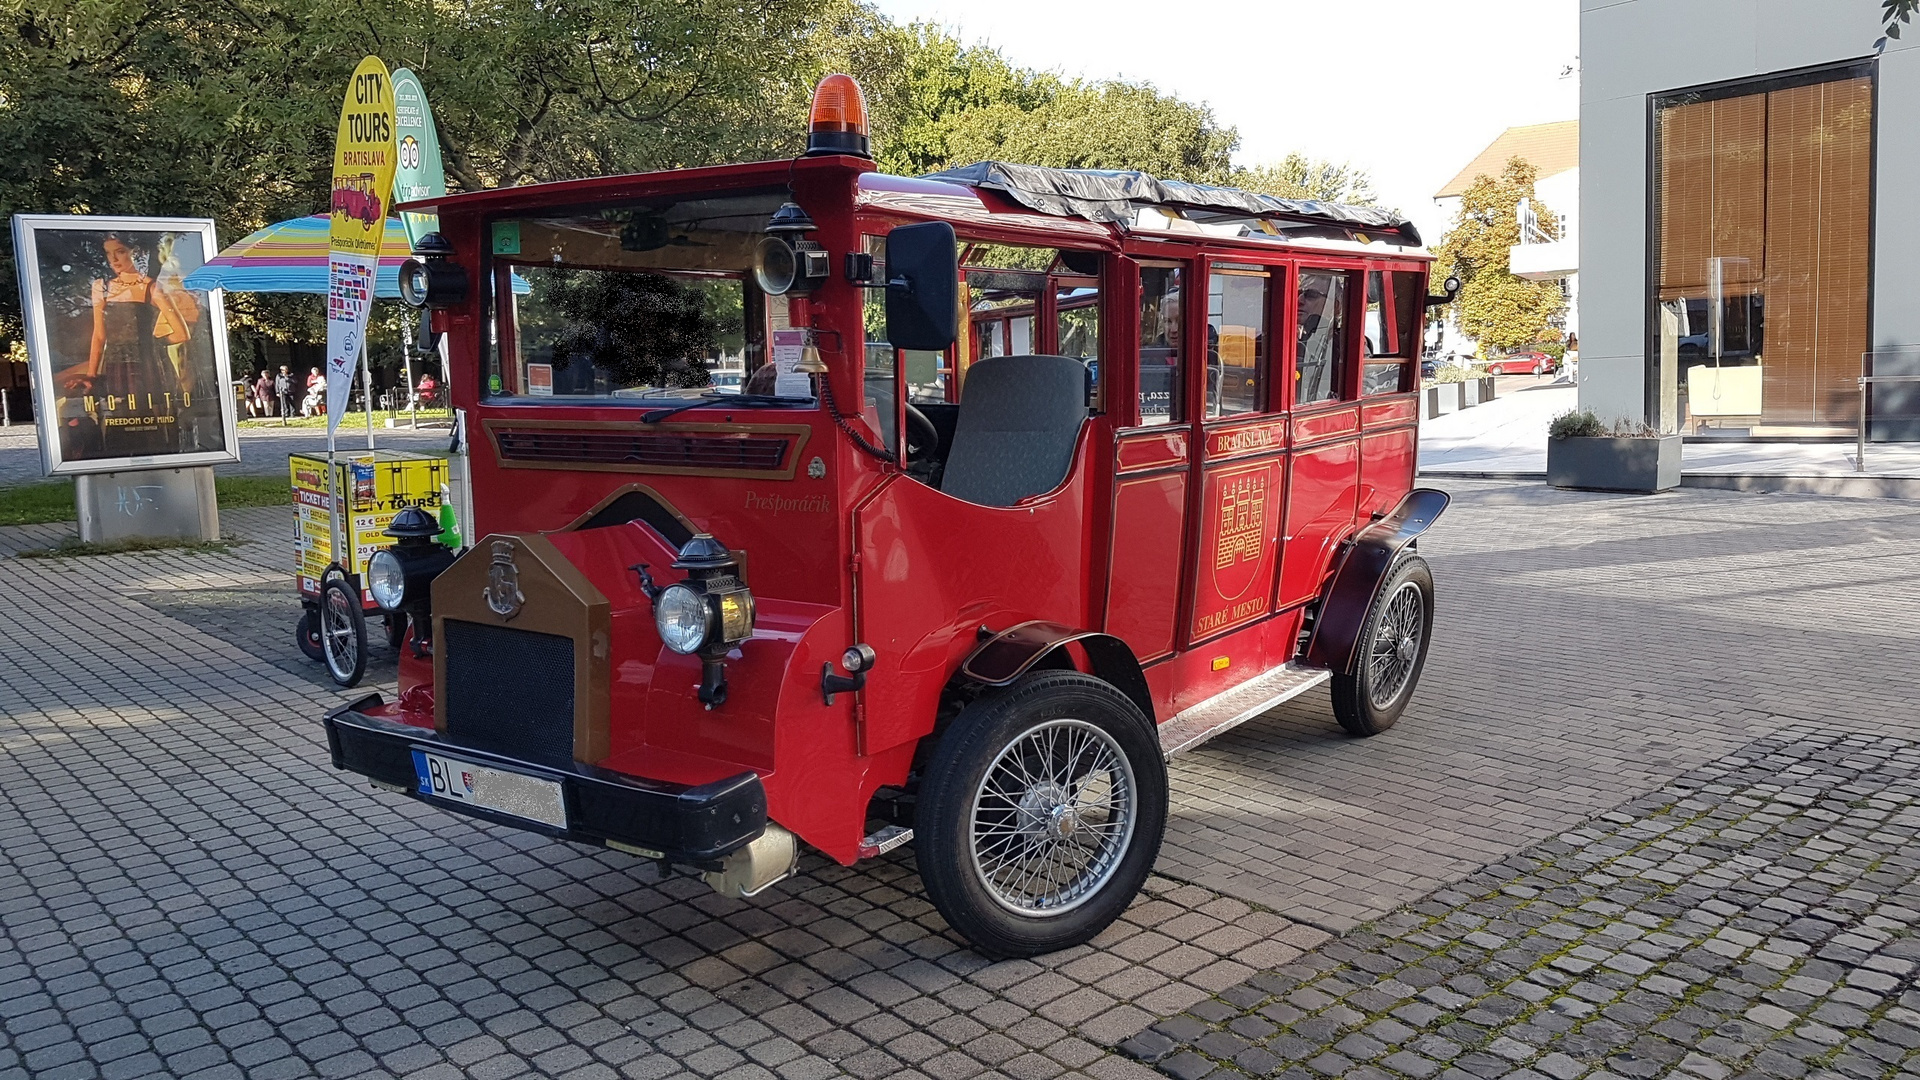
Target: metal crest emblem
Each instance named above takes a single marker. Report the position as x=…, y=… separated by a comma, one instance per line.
x=503, y=594
x=816, y=469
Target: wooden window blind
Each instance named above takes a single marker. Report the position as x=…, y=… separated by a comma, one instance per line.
x=1775, y=185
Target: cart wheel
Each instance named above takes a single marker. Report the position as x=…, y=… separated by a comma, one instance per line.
x=396, y=627
x=343, y=632
x=1041, y=814
x=1393, y=650
x=307, y=633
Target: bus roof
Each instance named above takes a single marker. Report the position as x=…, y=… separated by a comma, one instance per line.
x=1117, y=197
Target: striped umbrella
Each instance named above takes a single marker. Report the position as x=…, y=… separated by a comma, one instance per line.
x=291, y=257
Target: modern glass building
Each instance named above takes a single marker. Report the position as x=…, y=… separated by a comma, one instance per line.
x=1744, y=253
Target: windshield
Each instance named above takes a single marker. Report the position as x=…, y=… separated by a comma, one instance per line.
x=643, y=302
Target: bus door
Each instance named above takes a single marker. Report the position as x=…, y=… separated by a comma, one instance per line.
x=1323, y=467
x=1389, y=408
x=1152, y=466
x=1241, y=431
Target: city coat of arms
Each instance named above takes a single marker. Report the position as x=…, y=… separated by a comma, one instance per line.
x=503, y=582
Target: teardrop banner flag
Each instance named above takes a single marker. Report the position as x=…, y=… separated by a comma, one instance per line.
x=363, y=164
x=419, y=174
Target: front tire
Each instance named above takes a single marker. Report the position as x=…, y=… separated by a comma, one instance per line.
x=1393, y=650
x=1041, y=814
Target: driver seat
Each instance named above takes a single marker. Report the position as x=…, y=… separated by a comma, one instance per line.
x=1019, y=419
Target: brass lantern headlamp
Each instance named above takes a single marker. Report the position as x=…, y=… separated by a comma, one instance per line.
x=705, y=615
x=431, y=278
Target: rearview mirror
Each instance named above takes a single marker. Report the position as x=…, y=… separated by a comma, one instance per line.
x=923, y=287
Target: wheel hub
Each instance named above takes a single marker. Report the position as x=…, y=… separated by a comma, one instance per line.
x=1046, y=810
x=1408, y=649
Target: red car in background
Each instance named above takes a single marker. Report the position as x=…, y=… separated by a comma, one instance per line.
x=1523, y=363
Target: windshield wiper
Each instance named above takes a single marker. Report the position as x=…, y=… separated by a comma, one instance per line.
x=749, y=401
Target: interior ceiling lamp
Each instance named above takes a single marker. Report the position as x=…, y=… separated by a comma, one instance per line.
x=838, y=122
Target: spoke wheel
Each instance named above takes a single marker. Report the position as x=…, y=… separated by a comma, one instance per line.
x=1052, y=817
x=1040, y=814
x=1396, y=644
x=343, y=632
x=1393, y=649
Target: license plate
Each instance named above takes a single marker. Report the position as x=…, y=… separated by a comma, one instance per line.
x=531, y=797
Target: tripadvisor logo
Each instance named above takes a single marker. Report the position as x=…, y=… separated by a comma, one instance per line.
x=781, y=504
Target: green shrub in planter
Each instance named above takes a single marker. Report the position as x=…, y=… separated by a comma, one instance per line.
x=1582, y=452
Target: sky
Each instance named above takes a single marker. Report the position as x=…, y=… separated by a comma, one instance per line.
x=1409, y=90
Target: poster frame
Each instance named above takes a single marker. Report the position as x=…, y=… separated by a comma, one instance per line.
x=26, y=228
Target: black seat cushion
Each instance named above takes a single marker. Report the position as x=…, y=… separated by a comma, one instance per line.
x=1019, y=419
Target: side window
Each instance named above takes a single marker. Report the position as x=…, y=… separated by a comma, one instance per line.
x=1236, y=344
x=1394, y=310
x=1160, y=359
x=1321, y=357
x=1076, y=317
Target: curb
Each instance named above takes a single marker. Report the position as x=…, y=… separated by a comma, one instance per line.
x=1842, y=486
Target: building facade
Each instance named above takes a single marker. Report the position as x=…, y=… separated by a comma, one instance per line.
x=1747, y=162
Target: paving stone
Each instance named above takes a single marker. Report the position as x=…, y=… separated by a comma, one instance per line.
x=1735, y=1006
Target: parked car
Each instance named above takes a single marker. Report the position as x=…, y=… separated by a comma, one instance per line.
x=1522, y=363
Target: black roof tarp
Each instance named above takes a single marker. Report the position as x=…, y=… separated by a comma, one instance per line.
x=1113, y=196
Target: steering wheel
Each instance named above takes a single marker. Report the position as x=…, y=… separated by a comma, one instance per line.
x=922, y=437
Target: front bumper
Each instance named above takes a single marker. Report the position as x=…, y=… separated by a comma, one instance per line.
x=690, y=825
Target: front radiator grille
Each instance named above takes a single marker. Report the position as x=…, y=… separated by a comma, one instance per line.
x=509, y=691
x=699, y=452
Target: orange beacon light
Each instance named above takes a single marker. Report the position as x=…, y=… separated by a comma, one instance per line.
x=838, y=121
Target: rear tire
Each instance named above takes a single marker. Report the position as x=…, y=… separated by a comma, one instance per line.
x=307, y=634
x=343, y=632
x=1539, y=369
x=1041, y=814
x=1393, y=650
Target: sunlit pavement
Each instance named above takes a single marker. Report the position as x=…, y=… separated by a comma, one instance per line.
x=263, y=447
x=189, y=889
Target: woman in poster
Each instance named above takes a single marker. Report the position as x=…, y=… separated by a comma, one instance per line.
x=130, y=383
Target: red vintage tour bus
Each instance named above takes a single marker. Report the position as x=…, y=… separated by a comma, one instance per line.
x=908, y=584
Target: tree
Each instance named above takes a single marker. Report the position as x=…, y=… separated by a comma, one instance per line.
x=1299, y=177
x=1893, y=15
x=1495, y=307
x=227, y=110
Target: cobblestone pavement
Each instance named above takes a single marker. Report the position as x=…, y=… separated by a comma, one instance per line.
x=185, y=885
x=1756, y=918
x=263, y=450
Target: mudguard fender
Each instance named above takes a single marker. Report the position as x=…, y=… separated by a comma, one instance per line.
x=1364, y=565
x=1013, y=652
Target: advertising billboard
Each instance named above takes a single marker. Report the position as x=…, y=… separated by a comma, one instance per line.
x=129, y=365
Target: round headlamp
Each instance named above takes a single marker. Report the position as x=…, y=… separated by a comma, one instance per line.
x=416, y=283
x=386, y=580
x=683, y=619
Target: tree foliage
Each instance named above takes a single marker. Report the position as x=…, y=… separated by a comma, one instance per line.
x=641, y=328
x=227, y=109
x=1893, y=15
x=1500, y=310
x=1299, y=177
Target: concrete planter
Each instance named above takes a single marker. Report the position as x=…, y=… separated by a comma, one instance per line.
x=1478, y=391
x=1448, y=397
x=1486, y=388
x=1429, y=403
x=1609, y=463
